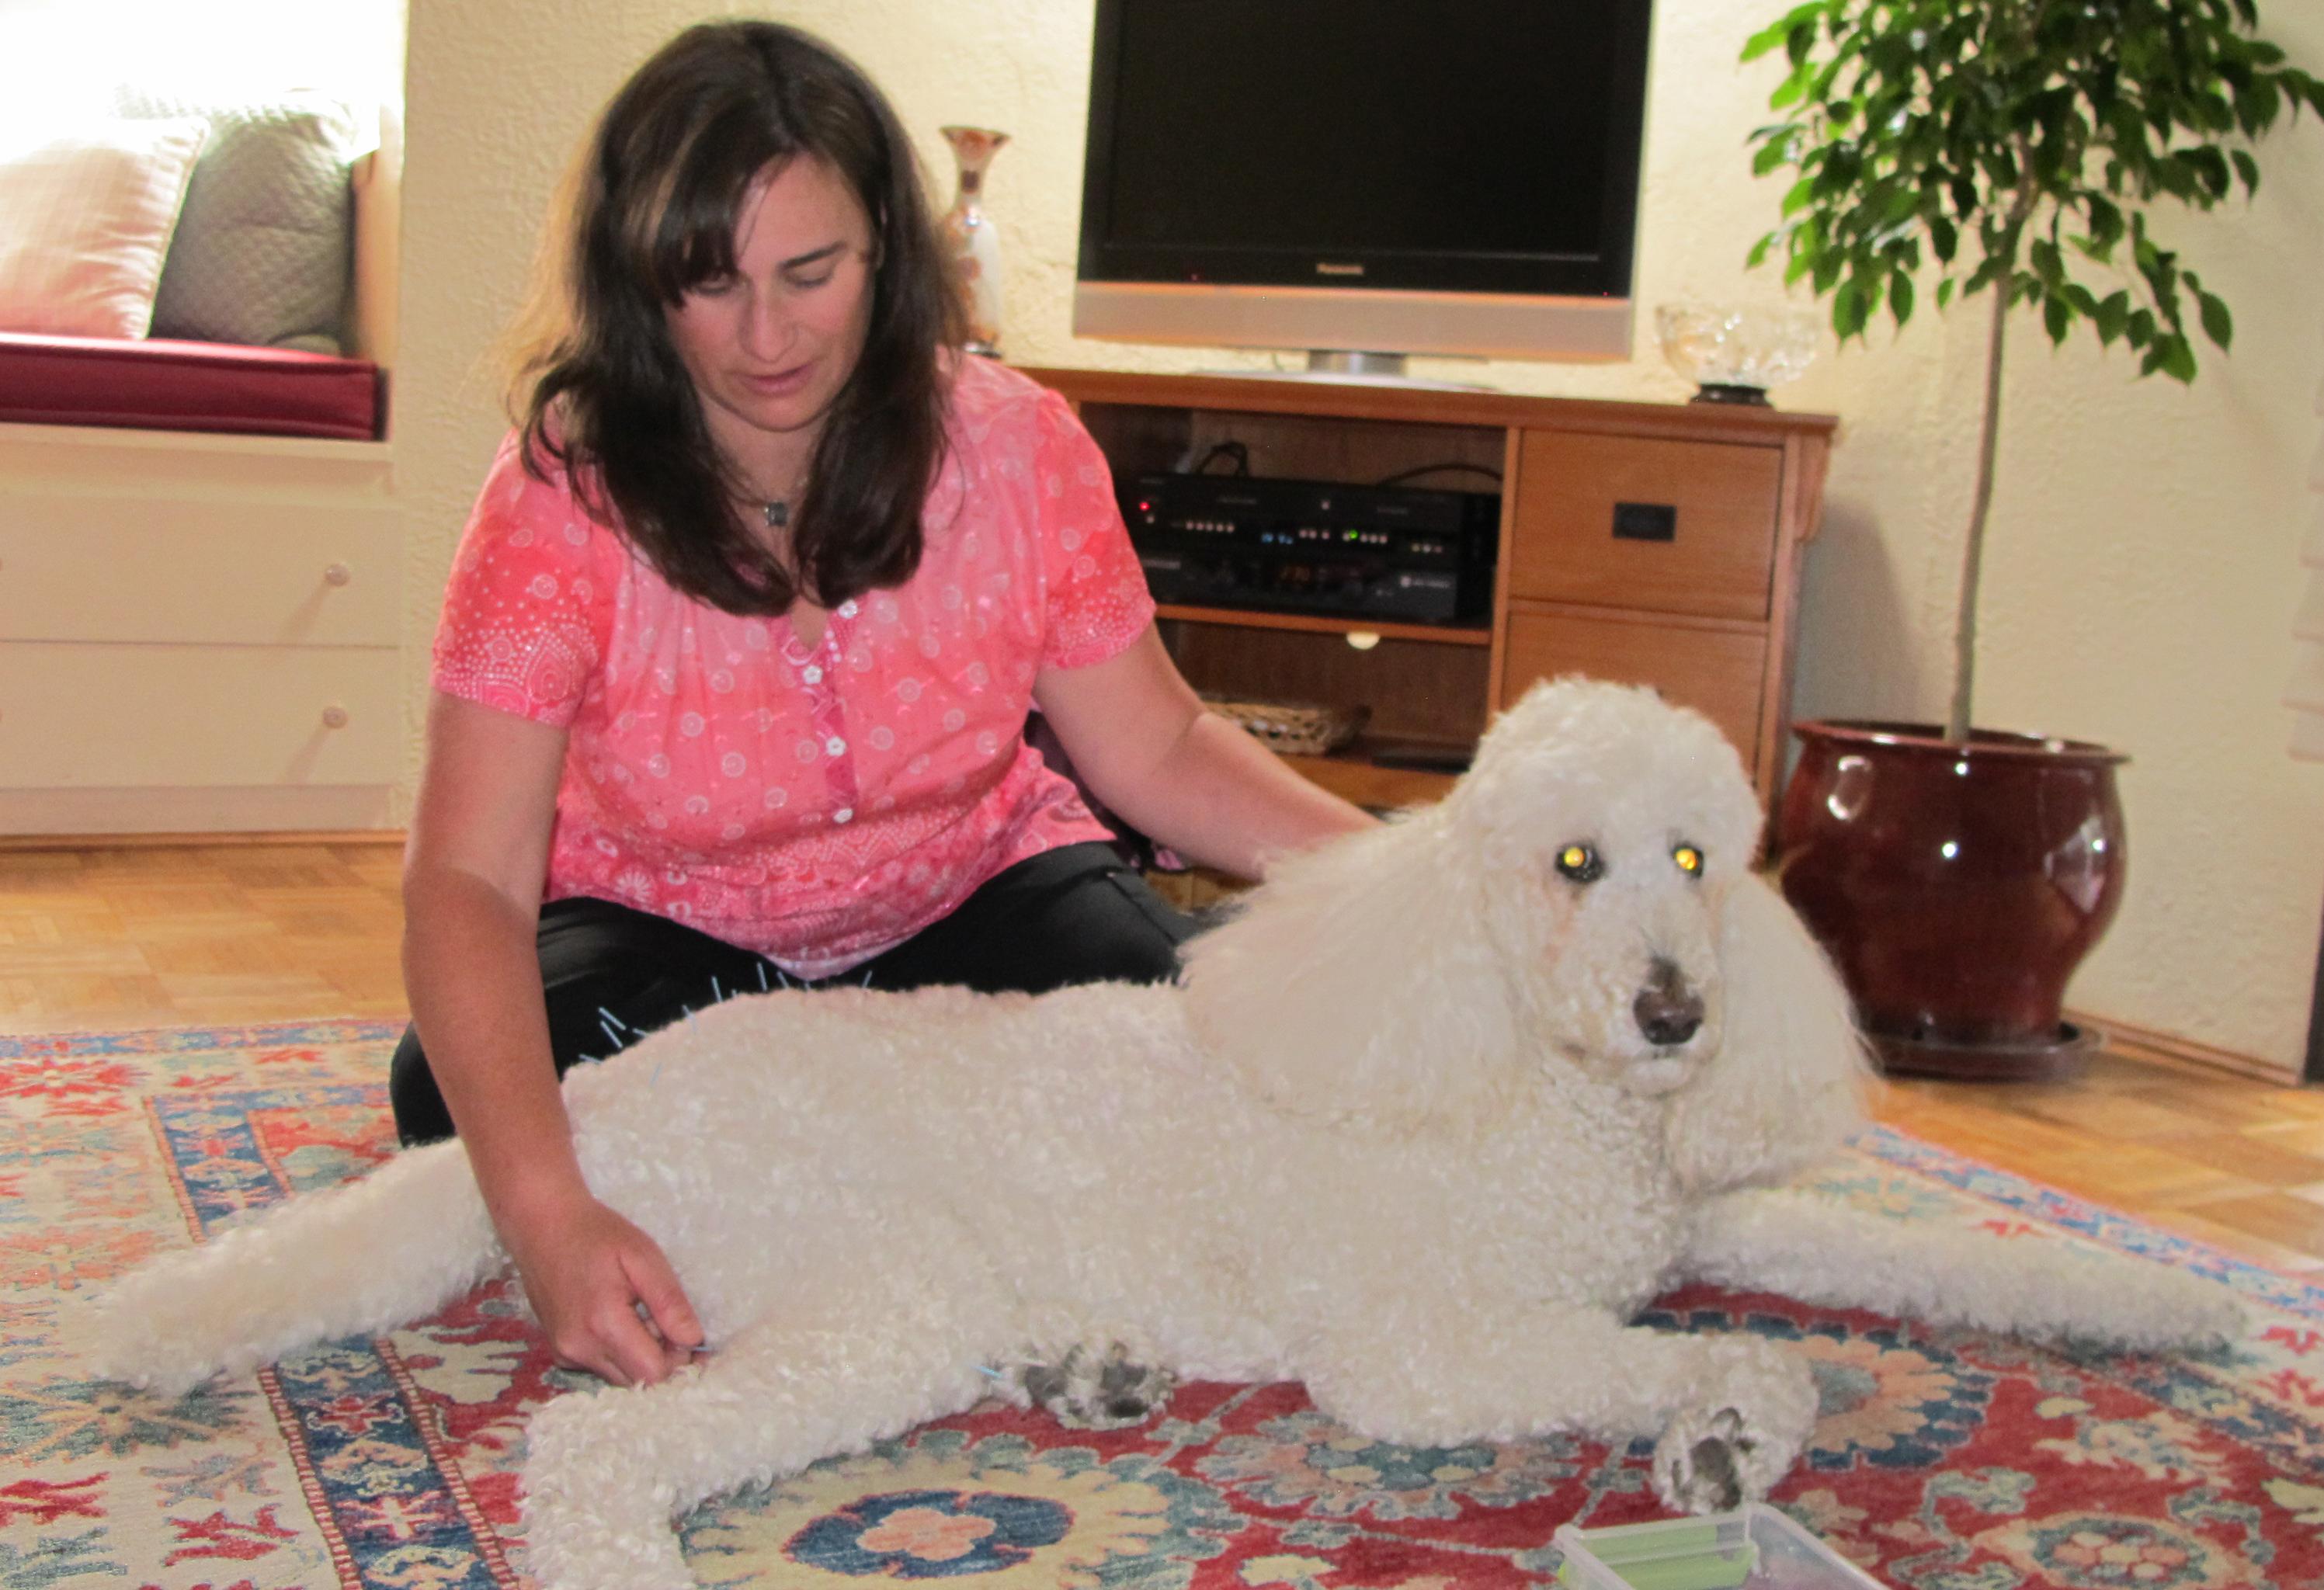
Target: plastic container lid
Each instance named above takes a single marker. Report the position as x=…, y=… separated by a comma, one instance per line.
x=1754, y=1548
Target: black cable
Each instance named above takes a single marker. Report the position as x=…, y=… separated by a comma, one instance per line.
x=1236, y=451
x=1401, y=476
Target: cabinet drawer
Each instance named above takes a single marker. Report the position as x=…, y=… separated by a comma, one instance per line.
x=1634, y=523
x=160, y=569
x=1717, y=672
x=127, y=716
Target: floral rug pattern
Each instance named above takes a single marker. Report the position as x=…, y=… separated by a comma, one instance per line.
x=1944, y=1460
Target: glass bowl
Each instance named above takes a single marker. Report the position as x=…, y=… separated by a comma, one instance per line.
x=1734, y=353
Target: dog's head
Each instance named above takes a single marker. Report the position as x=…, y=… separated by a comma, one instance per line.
x=1581, y=899
x=1613, y=828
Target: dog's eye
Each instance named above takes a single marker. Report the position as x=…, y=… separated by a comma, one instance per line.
x=1580, y=863
x=1689, y=859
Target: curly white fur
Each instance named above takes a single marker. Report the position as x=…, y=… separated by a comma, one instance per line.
x=1405, y=1132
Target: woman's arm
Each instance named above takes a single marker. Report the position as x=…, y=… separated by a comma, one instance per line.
x=1179, y=774
x=471, y=880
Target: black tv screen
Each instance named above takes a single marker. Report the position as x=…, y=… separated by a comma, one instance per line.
x=1468, y=145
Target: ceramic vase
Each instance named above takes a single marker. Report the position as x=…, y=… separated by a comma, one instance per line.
x=975, y=246
x=1956, y=887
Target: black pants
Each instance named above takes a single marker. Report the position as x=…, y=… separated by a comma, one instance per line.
x=609, y=973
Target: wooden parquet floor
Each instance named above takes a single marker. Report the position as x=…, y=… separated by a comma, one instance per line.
x=164, y=936
x=168, y=936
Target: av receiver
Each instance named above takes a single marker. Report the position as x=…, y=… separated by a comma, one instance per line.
x=1245, y=541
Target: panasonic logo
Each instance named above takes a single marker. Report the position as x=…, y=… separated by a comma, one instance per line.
x=1326, y=268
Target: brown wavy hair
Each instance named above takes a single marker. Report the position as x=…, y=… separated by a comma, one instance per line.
x=651, y=213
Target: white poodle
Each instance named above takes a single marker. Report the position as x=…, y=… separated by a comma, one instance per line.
x=1424, y=1126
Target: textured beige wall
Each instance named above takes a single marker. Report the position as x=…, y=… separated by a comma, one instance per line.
x=2142, y=569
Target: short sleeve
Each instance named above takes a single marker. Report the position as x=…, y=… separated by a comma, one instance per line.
x=1095, y=603
x=529, y=605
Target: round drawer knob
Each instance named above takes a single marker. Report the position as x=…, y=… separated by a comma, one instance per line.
x=1363, y=639
x=339, y=573
x=335, y=717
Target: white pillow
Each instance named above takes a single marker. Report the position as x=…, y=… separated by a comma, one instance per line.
x=86, y=214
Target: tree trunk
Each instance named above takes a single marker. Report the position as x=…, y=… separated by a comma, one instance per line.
x=1957, y=723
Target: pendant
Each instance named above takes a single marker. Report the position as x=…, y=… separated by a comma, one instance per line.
x=778, y=514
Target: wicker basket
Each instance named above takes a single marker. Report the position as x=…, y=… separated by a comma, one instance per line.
x=1294, y=728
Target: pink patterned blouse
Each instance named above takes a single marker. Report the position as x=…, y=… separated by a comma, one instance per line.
x=817, y=806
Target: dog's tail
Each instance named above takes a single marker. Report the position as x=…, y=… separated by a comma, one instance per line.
x=363, y=1258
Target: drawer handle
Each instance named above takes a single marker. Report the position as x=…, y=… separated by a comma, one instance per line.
x=339, y=573
x=1363, y=639
x=1645, y=521
x=335, y=717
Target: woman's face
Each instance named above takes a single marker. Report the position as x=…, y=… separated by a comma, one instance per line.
x=770, y=347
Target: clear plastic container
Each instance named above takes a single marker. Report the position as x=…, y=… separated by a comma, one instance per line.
x=1754, y=1547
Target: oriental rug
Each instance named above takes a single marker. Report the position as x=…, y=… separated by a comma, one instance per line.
x=1944, y=1460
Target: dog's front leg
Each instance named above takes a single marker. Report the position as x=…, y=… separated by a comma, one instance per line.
x=1728, y=1413
x=606, y=1472
x=1821, y=1251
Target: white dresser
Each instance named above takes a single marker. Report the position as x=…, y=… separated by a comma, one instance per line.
x=197, y=634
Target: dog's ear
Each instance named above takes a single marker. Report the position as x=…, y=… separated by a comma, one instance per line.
x=1357, y=982
x=1790, y=1080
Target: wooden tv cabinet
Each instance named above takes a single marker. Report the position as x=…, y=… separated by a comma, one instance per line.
x=1695, y=594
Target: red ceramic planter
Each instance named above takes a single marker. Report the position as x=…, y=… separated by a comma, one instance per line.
x=1956, y=886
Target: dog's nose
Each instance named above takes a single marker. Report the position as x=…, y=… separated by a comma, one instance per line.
x=1668, y=1011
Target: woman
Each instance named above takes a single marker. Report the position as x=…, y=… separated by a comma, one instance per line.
x=738, y=649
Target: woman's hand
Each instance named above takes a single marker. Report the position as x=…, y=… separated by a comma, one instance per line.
x=603, y=1293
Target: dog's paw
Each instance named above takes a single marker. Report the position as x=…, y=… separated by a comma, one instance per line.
x=1714, y=1460
x=1087, y=1391
x=1704, y=1461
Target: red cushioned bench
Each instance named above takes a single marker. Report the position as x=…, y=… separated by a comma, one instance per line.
x=160, y=385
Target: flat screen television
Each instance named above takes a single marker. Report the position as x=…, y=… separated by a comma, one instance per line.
x=1364, y=177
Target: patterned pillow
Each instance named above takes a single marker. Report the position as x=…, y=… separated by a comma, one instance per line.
x=263, y=251
x=86, y=214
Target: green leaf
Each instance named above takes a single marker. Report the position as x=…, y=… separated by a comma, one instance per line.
x=2210, y=168
x=1945, y=292
x=2247, y=169
x=1787, y=92
x=2057, y=317
x=2106, y=221
x=2219, y=325
x=1765, y=39
x=2178, y=358
x=1944, y=237
x=1758, y=254
x=1849, y=310
x=2113, y=315
x=1772, y=153
x=1900, y=297
x=1801, y=191
x=2047, y=263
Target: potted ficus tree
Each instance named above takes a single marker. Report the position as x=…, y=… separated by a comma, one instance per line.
x=2013, y=149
